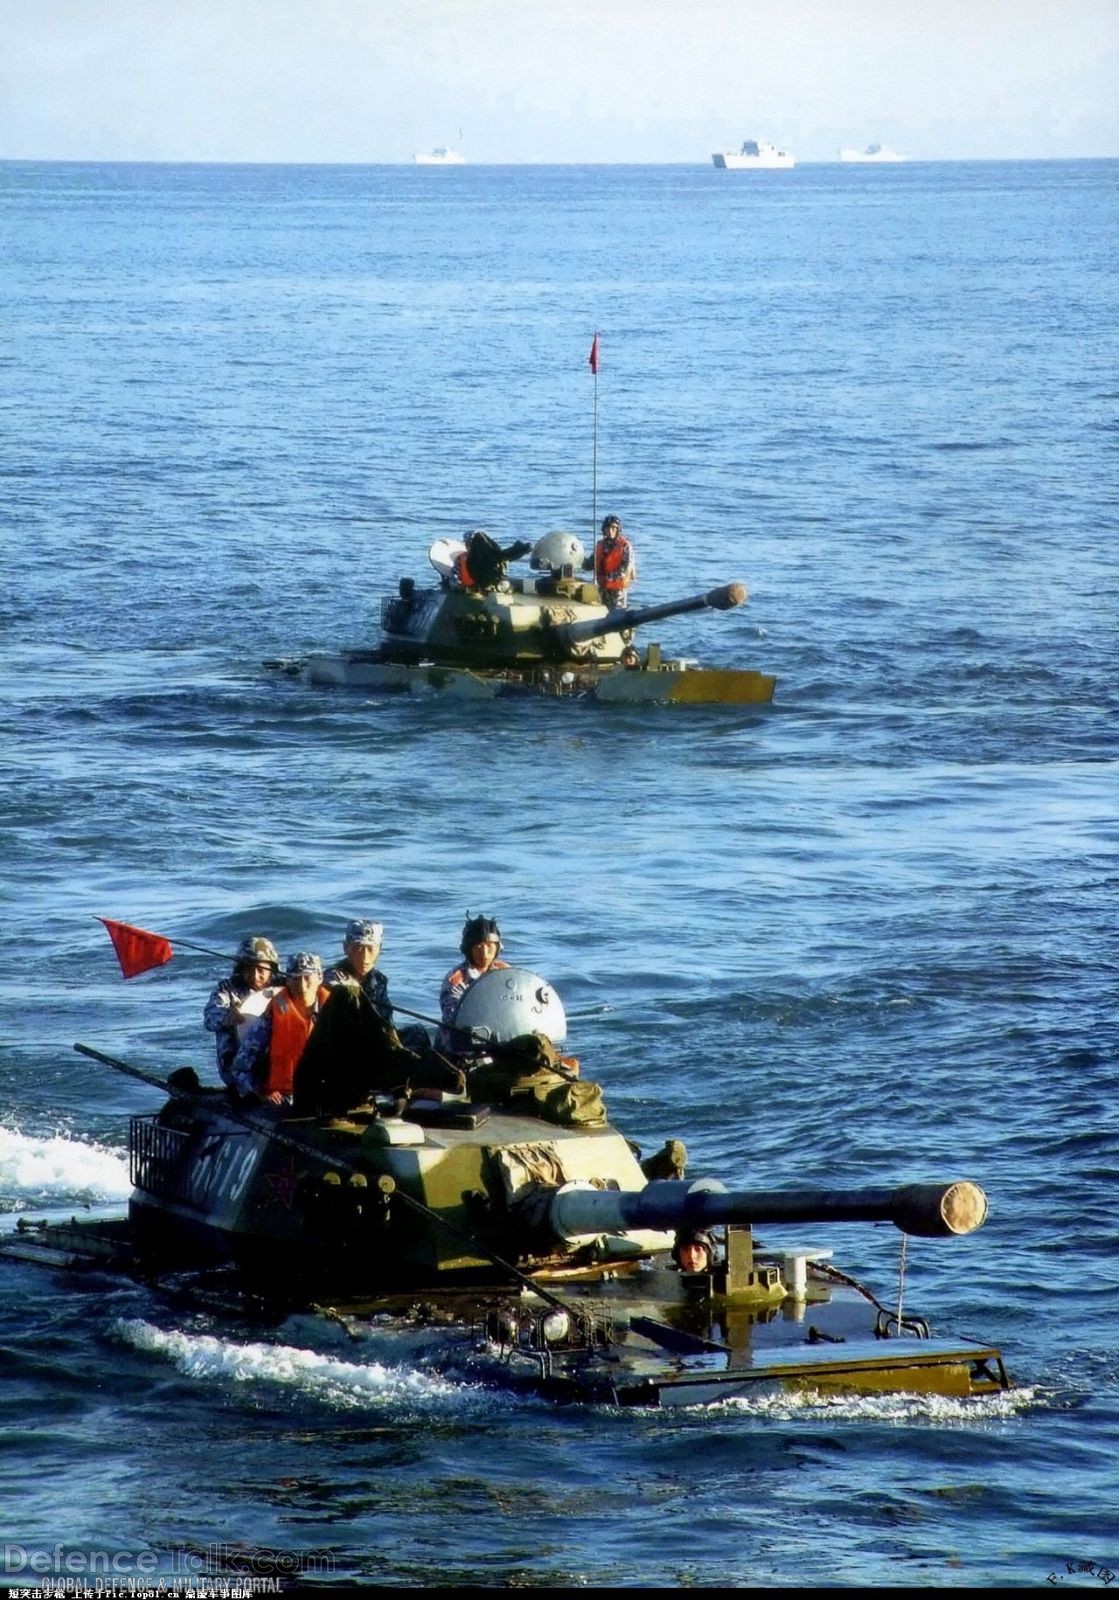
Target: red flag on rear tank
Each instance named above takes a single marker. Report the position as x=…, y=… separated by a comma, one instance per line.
x=137, y=949
x=592, y=359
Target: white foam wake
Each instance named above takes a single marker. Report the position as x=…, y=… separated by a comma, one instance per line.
x=47, y=1171
x=342, y=1383
x=945, y=1410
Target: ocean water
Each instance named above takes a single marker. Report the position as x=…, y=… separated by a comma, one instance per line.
x=864, y=935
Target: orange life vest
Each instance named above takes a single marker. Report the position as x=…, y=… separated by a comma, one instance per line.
x=612, y=564
x=291, y=1028
x=459, y=975
x=462, y=571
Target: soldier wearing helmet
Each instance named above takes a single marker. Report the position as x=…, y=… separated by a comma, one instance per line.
x=480, y=946
x=613, y=564
x=693, y=1251
x=361, y=946
x=264, y=1066
x=481, y=565
x=242, y=997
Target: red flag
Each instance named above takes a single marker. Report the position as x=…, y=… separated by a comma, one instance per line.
x=592, y=359
x=137, y=950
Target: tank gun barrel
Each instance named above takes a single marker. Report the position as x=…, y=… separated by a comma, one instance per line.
x=927, y=1210
x=724, y=598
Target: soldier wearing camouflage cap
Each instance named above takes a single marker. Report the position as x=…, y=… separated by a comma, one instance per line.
x=241, y=998
x=358, y=967
x=265, y=1064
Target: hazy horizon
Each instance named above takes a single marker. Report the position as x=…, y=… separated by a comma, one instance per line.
x=355, y=82
x=201, y=161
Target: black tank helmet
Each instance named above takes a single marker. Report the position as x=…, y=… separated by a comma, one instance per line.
x=475, y=929
x=694, y=1236
x=609, y=524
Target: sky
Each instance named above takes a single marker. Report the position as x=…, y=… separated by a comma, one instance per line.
x=555, y=80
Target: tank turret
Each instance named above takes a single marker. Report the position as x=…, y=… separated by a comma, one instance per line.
x=554, y=618
x=482, y=632
x=441, y=1189
x=522, y=1166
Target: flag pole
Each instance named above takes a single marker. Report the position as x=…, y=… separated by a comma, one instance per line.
x=592, y=360
x=139, y=950
x=183, y=944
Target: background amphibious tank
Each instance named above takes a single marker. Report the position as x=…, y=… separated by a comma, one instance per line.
x=517, y=1238
x=549, y=633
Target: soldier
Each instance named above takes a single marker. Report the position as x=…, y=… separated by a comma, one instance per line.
x=358, y=968
x=693, y=1251
x=242, y=997
x=264, y=1066
x=481, y=946
x=482, y=564
x=613, y=564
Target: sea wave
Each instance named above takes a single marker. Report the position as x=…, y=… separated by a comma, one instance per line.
x=36, y=1170
x=337, y=1383
x=945, y=1410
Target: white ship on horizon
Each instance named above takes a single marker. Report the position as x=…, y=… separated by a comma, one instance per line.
x=439, y=157
x=755, y=153
x=873, y=152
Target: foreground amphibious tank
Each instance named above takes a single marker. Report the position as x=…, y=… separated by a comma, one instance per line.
x=518, y=1238
x=547, y=634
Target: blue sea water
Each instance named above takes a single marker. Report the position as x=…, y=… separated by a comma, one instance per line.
x=867, y=934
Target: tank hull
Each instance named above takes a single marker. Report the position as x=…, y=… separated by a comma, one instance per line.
x=445, y=1224
x=671, y=683
x=655, y=1341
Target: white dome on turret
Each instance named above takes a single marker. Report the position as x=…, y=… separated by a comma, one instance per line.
x=508, y=1002
x=555, y=551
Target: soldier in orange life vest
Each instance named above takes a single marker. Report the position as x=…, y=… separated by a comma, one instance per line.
x=480, y=945
x=264, y=1066
x=482, y=564
x=613, y=564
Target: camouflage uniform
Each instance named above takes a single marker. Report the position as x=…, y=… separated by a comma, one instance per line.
x=250, y=1063
x=249, y=1068
x=455, y=986
x=374, y=986
x=220, y=1018
x=220, y=1015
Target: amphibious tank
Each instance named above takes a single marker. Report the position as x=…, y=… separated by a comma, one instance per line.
x=515, y=1233
x=547, y=633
